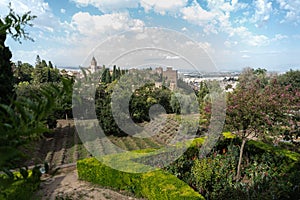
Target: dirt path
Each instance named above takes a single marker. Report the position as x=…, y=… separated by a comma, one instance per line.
x=66, y=186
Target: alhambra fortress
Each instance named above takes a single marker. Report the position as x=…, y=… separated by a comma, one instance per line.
x=170, y=76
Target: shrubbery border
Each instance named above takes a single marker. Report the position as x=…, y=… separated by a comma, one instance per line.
x=151, y=185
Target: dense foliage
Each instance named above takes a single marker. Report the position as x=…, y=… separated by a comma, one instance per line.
x=19, y=185
x=268, y=172
x=13, y=25
x=29, y=103
x=259, y=108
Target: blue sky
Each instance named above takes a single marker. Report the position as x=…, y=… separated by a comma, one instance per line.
x=235, y=33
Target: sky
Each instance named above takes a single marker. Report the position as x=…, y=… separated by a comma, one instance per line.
x=234, y=33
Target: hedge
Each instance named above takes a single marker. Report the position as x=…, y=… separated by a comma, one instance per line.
x=156, y=184
x=151, y=185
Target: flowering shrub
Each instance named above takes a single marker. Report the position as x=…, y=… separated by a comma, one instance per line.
x=268, y=173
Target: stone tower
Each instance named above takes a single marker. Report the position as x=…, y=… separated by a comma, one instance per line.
x=93, y=65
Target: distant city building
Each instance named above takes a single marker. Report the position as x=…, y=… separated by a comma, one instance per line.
x=227, y=83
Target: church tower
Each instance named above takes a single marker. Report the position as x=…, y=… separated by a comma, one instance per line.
x=93, y=65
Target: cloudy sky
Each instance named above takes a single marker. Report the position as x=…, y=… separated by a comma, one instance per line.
x=234, y=33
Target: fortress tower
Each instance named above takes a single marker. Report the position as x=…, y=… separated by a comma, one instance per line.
x=93, y=65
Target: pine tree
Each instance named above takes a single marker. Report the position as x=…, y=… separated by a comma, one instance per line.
x=50, y=65
x=37, y=61
x=114, y=74
x=107, y=76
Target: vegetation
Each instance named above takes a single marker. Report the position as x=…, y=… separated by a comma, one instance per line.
x=258, y=108
x=249, y=163
x=25, y=110
x=268, y=172
x=19, y=185
x=152, y=185
x=14, y=26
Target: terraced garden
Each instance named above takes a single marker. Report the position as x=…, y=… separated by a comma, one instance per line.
x=64, y=146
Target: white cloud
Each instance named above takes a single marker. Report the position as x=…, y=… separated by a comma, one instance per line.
x=280, y=37
x=97, y=25
x=37, y=7
x=225, y=6
x=217, y=20
x=45, y=21
x=258, y=40
x=162, y=7
x=291, y=9
x=245, y=51
x=245, y=56
x=172, y=57
x=207, y=47
x=63, y=11
x=263, y=10
x=107, y=6
x=230, y=44
x=197, y=15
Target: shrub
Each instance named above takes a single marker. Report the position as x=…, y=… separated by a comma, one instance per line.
x=19, y=187
x=268, y=173
x=152, y=185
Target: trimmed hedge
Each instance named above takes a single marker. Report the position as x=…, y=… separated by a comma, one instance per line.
x=152, y=185
x=278, y=151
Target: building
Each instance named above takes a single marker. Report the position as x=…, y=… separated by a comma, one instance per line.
x=93, y=67
x=169, y=77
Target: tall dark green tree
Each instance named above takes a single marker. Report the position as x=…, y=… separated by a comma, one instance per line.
x=13, y=25
x=44, y=64
x=37, y=61
x=106, y=77
x=50, y=65
x=114, y=73
x=6, y=76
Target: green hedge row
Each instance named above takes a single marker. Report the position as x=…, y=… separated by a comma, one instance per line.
x=151, y=185
x=278, y=151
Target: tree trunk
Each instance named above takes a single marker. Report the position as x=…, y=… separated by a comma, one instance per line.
x=238, y=173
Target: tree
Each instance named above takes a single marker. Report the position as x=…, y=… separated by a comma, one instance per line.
x=13, y=25
x=23, y=72
x=43, y=73
x=12, y=118
x=103, y=110
x=256, y=110
x=28, y=117
x=37, y=61
x=114, y=73
x=44, y=64
x=105, y=76
x=50, y=65
x=290, y=78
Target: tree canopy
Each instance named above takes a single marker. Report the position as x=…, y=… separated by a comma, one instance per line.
x=14, y=26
